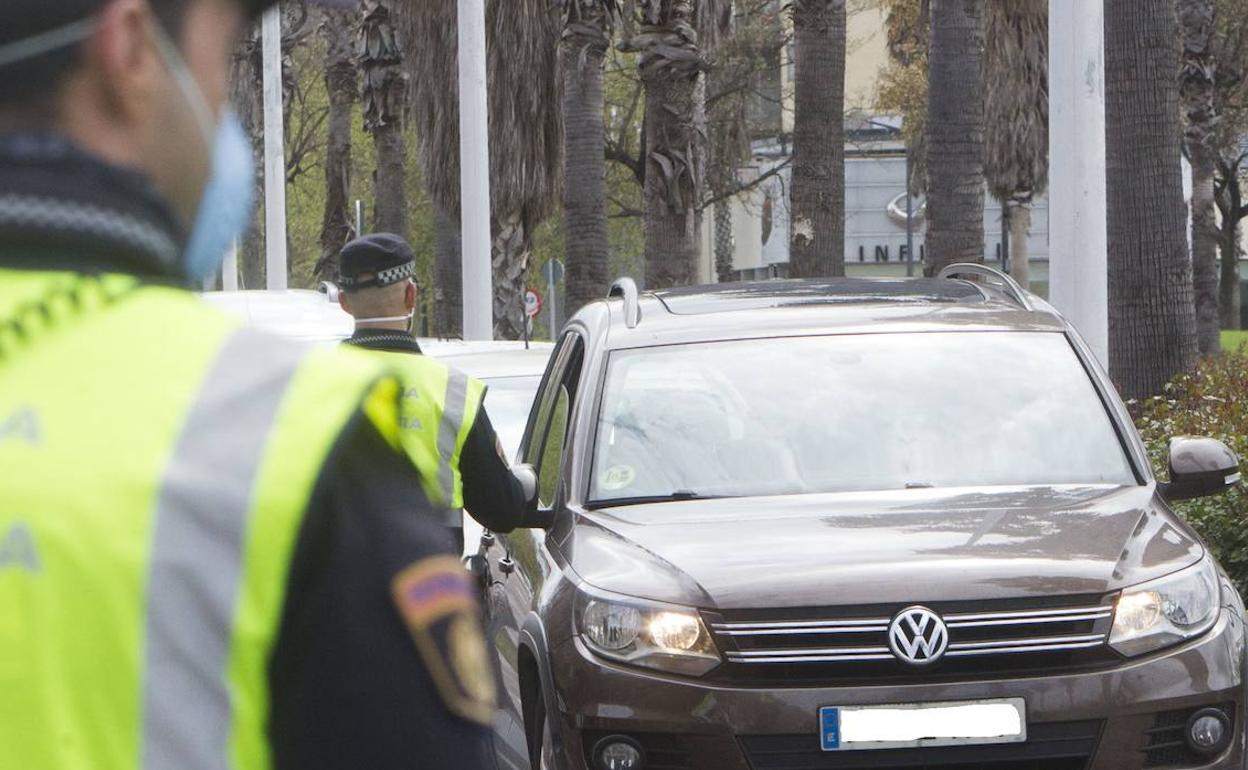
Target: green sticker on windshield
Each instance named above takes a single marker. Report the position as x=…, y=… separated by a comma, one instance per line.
x=618, y=477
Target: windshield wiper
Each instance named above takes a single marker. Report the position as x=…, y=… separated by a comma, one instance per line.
x=679, y=495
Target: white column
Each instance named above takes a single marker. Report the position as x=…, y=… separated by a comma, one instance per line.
x=274, y=153
x=1078, y=281
x=229, y=269
x=474, y=169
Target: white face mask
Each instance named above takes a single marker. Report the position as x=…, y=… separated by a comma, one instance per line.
x=389, y=319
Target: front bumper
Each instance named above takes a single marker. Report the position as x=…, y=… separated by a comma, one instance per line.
x=1113, y=713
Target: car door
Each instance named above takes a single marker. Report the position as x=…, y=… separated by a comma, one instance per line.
x=517, y=563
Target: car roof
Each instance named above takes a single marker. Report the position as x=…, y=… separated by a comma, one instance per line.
x=308, y=316
x=491, y=360
x=292, y=313
x=825, y=306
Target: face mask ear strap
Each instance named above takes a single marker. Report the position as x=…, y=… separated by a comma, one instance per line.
x=186, y=82
x=46, y=42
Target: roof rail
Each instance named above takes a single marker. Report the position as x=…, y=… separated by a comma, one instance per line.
x=627, y=289
x=1008, y=284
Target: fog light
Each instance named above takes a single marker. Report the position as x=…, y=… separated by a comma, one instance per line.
x=1209, y=731
x=618, y=752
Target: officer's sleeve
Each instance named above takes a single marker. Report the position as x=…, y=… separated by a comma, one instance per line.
x=492, y=495
x=380, y=661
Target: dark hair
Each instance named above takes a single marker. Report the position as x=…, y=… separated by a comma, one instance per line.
x=28, y=85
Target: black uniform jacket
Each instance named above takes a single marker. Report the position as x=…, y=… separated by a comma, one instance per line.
x=492, y=495
x=352, y=684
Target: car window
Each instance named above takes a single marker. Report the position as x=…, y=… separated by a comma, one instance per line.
x=852, y=412
x=546, y=397
x=552, y=454
x=508, y=402
x=548, y=442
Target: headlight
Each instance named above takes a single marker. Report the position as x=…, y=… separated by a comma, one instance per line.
x=1167, y=610
x=644, y=633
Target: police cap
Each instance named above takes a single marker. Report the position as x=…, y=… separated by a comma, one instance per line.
x=380, y=259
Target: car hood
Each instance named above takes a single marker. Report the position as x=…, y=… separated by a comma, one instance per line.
x=906, y=546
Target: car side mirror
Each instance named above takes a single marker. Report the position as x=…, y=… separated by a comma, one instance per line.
x=527, y=476
x=330, y=290
x=534, y=516
x=1200, y=467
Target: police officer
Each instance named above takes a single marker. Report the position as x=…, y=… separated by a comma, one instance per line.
x=213, y=553
x=375, y=278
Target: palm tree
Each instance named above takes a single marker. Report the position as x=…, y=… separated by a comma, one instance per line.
x=1016, y=107
x=817, y=229
x=1231, y=185
x=526, y=131
x=671, y=62
x=246, y=98
x=1152, y=321
x=728, y=130
x=385, y=101
x=1197, y=75
x=587, y=30
x=955, y=134
x=342, y=83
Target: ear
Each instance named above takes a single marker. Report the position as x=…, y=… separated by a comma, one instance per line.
x=127, y=66
x=342, y=301
x=409, y=298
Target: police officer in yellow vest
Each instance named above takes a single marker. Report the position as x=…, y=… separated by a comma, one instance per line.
x=447, y=421
x=214, y=551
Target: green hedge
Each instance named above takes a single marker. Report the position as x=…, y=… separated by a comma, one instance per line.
x=1213, y=401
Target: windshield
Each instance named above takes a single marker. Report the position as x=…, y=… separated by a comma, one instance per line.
x=853, y=412
x=507, y=402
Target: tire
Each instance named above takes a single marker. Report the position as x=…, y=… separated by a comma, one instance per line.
x=543, y=754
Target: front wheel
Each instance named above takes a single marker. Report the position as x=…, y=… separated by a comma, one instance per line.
x=542, y=755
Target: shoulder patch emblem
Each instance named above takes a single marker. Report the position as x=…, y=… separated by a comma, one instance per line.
x=436, y=599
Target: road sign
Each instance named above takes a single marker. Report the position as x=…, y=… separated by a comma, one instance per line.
x=552, y=271
x=532, y=303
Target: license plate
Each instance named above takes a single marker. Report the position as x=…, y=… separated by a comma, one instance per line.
x=909, y=725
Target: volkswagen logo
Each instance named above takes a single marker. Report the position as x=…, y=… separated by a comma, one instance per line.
x=918, y=636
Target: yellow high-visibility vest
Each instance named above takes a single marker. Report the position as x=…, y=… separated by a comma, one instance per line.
x=155, y=463
x=439, y=406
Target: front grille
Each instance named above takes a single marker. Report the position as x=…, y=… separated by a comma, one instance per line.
x=664, y=751
x=1049, y=746
x=986, y=640
x=1167, y=740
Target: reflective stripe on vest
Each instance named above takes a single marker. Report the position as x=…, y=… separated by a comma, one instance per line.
x=157, y=488
x=197, y=556
x=454, y=407
x=440, y=405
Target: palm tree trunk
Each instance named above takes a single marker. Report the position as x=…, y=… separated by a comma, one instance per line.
x=390, y=180
x=1196, y=90
x=817, y=229
x=448, y=275
x=385, y=100
x=342, y=84
x=245, y=97
x=955, y=126
x=1152, y=319
x=1229, y=288
x=586, y=239
x=671, y=66
x=510, y=252
x=1231, y=206
x=724, y=257
x=1020, y=248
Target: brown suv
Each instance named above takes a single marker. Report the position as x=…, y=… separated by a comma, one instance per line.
x=855, y=524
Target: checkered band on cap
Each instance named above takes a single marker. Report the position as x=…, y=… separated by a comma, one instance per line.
x=380, y=278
